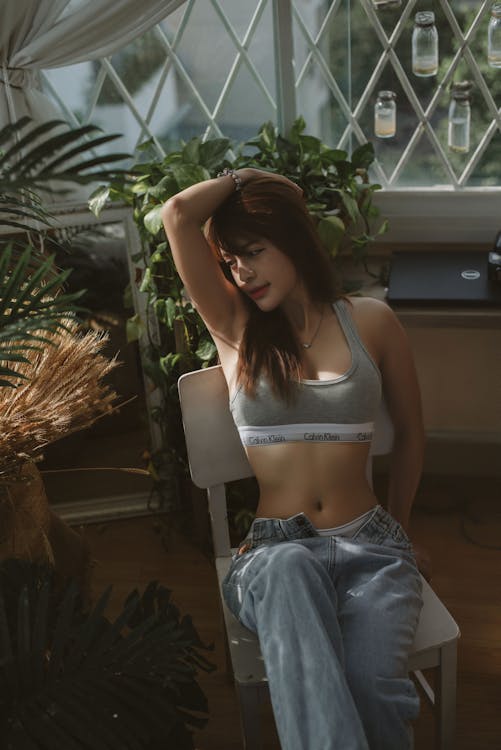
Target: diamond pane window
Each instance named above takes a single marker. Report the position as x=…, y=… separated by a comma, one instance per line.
x=210, y=69
x=358, y=49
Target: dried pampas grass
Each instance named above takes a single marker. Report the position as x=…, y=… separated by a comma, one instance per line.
x=64, y=393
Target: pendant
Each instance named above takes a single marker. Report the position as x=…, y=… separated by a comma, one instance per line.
x=307, y=346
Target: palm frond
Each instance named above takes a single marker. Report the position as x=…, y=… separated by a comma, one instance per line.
x=48, y=157
x=39, y=635
x=9, y=372
x=8, y=132
x=26, y=140
x=73, y=679
x=31, y=302
x=24, y=210
x=26, y=162
x=71, y=153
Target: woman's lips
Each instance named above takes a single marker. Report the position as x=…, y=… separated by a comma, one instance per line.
x=256, y=293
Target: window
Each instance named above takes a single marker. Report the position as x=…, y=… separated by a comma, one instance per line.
x=210, y=66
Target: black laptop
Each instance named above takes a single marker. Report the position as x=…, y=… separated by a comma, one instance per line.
x=442, y=278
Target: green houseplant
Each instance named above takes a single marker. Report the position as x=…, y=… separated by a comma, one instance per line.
x=339, y=195
x=69, y=677
x=338, y=190
x=38, y=324
x=47, y=158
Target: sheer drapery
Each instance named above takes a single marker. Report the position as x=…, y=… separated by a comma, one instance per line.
x=36, y=34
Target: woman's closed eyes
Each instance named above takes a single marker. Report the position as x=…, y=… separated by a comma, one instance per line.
x=230, y=262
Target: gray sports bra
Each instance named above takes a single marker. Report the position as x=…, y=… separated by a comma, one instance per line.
x=339, y=410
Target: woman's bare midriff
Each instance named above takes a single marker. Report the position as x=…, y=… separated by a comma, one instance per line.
x=326, y=482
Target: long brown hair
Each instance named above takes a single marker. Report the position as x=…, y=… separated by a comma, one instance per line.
x=276, y=211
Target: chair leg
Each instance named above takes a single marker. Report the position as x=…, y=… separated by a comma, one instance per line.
x=445, y=698
x=227, y=656
x=248, y=697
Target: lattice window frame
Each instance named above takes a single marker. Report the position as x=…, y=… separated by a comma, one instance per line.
x=472, y=213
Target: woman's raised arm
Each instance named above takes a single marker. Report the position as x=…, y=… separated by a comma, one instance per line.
x=217, y=300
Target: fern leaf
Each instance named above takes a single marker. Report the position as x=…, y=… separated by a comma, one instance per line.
x=9, y=289
x=26, y=140
x=8, y=372
x=71, y=153
x=23, y=639
x=39, y=636
x=98, y=723
x=123, y=646
x=80, y=723
x=34, y=152
x=41, y=727
x=36, y=292
x=17, y=225
x=155, y=709
x=89, y=630
x=106, y=693
x=88, y=163
x=113, y=633
x=8, y=131
x=62, y=631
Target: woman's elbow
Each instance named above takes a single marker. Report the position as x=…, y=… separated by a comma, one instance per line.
x=173, y=212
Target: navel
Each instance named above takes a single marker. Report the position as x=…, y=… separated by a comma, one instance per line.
x=318, y=503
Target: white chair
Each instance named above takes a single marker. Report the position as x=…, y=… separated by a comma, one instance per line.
x=216, y=456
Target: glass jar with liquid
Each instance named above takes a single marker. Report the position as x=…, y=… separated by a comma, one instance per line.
x=460, y=118
x=494, y=37
x=425, y=45
x=385, y=115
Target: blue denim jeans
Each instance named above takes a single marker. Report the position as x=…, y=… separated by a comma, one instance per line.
x=336, y=619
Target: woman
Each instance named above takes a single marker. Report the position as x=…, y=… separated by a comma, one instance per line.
x=326, y=577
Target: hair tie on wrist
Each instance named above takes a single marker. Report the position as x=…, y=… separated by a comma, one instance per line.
x=234, y=176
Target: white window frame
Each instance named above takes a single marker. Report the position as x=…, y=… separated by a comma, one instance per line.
x=448, y=215
x=416, y=215
x=471, y=216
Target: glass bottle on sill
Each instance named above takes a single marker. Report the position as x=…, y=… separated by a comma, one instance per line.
x=494, y=37
x=425, y=45
x=385, y=115
x=460, y=118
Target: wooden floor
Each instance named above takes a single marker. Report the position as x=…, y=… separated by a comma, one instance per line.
x=466, y=576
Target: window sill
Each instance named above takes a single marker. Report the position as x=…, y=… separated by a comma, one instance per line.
x=440, y=215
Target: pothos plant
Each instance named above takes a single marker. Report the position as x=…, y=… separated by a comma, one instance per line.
x=339, y=195
x=338, y=190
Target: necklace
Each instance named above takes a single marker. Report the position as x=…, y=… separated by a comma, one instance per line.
x=308, y=346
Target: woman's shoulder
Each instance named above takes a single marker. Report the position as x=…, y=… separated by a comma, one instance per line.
x=375, y=321
x=369, y=310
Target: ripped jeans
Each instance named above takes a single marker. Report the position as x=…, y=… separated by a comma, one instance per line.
x=336, y=619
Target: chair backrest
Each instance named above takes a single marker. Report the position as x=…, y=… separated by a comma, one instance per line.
x=215, y=452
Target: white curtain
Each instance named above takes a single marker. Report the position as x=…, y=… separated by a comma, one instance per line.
x=36, y=34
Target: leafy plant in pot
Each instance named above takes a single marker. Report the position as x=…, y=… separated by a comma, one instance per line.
x=339, y=195
x=69, y=677
x=39, y=333
x=337, y=190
